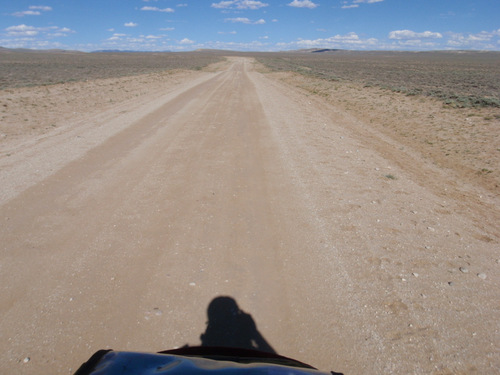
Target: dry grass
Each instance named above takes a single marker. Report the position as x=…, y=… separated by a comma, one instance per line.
x=460, y=79
x=36, y=68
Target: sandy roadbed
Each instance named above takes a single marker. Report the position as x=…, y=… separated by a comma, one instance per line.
x=124, y=220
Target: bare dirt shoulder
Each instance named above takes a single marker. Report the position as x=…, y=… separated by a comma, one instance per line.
x=460, y=147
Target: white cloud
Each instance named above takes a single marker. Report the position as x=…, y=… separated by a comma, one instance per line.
x=26, y=13
x=167, y=28
x=416, y=44
x=31, y=43
x=412, y=35
x=250, y=4
x=348, y=41
x=22, y=30
x=60, y=33
x=117, y=36
x=238, y=20
x=223, y=5
x=481, y=40
x=186, y=41
x=130, y=24
x=54, y=31
x=65, y=30
x=239, y=4
x=303, y=4
x=34, y=10
x=40, y=7
x=245, y=20
x=355, y=3
x=156, y=9
x=25, y=31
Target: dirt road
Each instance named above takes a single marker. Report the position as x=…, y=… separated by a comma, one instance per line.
x=349, y=253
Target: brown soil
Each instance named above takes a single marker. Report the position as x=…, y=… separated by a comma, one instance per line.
x=465, y=140
x=128, y=204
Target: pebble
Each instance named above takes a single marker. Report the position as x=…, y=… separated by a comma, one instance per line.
x=464, y=270
x=450, y=283
x=157, y=311
x=481, y=275
x=26, y=360
x=192, y=284
x=415, y=274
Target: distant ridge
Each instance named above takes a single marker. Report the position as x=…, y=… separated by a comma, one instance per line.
x=318, y=50
x=325, y=50
x=126, y=51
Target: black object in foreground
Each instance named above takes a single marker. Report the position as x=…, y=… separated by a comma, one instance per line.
x=194, y=360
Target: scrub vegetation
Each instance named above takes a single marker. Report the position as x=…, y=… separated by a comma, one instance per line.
x=460, y=79
x=20, y=68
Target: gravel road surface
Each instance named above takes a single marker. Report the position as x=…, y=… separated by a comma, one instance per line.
x=348, y=252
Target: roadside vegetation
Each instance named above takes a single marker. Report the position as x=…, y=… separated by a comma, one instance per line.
x=459, y=79
x=38, y=68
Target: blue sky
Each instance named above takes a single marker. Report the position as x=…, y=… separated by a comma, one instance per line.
x=250, y=25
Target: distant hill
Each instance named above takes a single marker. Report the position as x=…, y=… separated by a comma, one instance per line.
x=126, y=51
x=318, y=50
x=325, y=50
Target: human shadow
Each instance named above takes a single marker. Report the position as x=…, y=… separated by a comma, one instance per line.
x=229, y=326
x=232, y=335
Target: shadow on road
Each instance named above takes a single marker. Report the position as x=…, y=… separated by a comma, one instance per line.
x=232, y=335
x=231, y=342
x=229, y=326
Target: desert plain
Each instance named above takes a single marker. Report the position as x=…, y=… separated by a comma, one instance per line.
x=353, y=217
